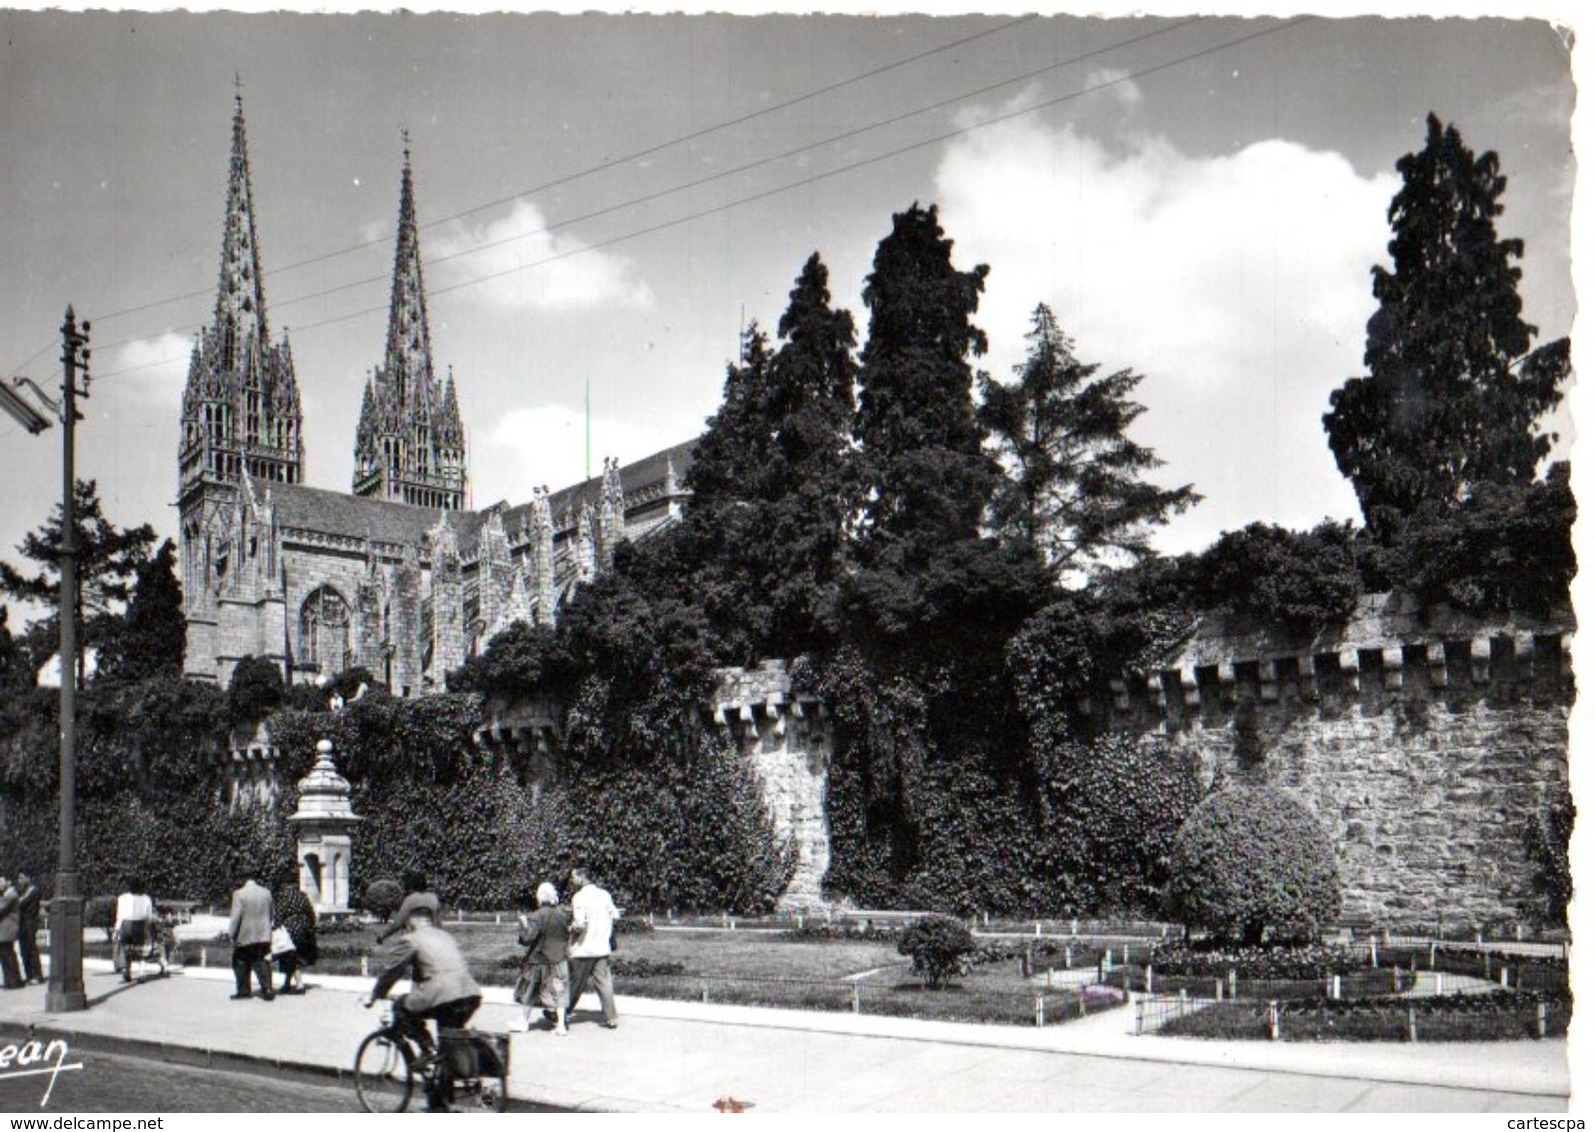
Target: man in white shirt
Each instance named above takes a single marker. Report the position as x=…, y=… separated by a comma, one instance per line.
x=592, y=923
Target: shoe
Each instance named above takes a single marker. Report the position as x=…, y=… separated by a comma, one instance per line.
x=517, y=1026
x=267, y=996
x=562, y=1031
x=426, y=1060
x=611, y=1025
x=239, y=997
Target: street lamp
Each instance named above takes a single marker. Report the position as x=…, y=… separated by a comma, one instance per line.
x=65, y=991
x=20, y=410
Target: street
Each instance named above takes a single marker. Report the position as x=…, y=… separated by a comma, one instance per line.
x=121, y=1083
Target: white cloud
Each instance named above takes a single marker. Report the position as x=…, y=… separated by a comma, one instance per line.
x=522, y=265
x=546, y=445
x=1116, y=82
x=1237, y=284
x=155, y=367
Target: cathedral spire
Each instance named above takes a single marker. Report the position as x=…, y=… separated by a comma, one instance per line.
x=409, y=354
x=240, y=295
x=241, y=410
x=410, y=446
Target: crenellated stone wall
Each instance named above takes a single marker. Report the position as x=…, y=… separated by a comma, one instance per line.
x=1425, y=745
x=782, y=732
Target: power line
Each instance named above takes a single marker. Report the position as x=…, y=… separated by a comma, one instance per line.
x=602, y=167
x=850, y=167
x=699, y=182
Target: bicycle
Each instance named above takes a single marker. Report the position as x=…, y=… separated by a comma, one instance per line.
x=470, y=1067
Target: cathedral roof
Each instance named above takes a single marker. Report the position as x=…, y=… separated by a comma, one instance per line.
x=634, y=477
x=361, y=517
x=355, y=516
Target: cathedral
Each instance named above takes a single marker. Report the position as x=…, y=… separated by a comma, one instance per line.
x=395, y=575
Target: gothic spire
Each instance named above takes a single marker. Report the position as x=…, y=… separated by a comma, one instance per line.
x=240, y=294
x=409, y=446
x=409, y=354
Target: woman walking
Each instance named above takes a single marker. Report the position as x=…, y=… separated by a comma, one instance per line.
x=291, y=910
x=546, y=969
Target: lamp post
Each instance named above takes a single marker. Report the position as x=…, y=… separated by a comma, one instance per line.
x=65, y=991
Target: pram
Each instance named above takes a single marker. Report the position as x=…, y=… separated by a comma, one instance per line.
x=147, y=942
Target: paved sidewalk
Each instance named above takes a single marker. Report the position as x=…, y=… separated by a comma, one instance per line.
x=673, y=1056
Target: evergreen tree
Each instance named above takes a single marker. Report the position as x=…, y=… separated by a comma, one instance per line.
x=770, y=481
x=720, y=526
x=108, y=561
x=14, y=676
x=927, y=479
x=149, y=639
x=805, y=492
x=1075, y=491
x=1453, y=395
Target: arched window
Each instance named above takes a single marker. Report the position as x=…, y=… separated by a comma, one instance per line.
x=324, y=630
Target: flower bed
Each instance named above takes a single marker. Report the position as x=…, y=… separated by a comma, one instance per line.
x=1500, y=1016
x=1313, y=962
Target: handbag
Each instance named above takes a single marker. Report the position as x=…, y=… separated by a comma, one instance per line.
x=281, y=942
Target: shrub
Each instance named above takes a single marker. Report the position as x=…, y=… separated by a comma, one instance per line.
x=255, y=691
x=100, y=912
x=383, y=897
x=940, y=947
x=1250, y=859
x=1273, y=576
x=1546, y=841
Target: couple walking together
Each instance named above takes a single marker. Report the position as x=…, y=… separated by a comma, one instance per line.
x=563, y=950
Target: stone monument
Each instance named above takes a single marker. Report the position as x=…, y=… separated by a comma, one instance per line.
x=324, y=823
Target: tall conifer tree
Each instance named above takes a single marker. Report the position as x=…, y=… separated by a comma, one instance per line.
x=1453, y=396
x=927, y=479
x=1075, y=491
x=807, y=490
x=149, y=639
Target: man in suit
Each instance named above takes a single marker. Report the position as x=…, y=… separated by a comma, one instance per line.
x=250, y=929
x=10, y=928
x=28, y=901
x=441, y=988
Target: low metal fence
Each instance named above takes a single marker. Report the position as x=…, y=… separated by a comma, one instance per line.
x=957, y=1003
x=1386, y=1020
x=1149, y=980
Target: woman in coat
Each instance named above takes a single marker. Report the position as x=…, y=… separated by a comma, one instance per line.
x=546, y=969
x=290, y=909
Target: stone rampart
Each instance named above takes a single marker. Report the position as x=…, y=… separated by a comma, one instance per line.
x=1425, y=745
x=782, y=733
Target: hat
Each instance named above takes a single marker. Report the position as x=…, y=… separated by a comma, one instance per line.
x=547, y=893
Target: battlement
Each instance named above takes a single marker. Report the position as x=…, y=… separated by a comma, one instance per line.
x=1385, y=652
x=746, y=696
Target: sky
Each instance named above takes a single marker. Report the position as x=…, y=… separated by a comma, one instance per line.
x=607, y=200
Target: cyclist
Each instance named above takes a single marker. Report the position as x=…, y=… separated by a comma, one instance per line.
x=441, y=989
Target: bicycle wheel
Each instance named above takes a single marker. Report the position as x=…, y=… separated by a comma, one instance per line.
x=383, y=1075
